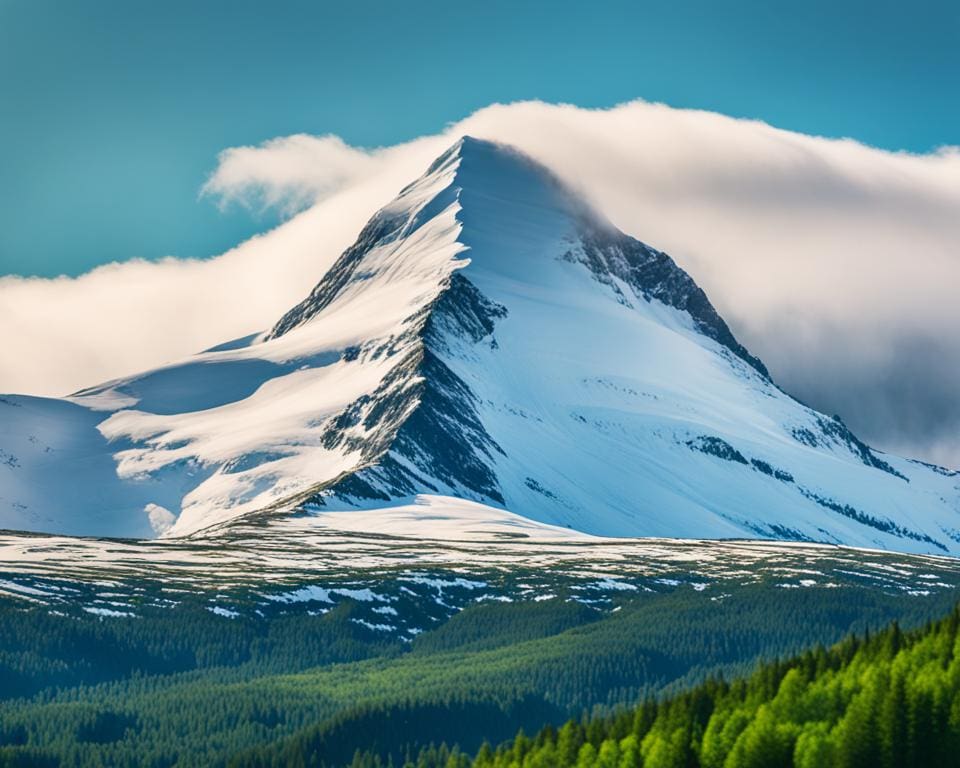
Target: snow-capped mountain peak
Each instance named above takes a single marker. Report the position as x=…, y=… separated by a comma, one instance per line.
x=488, y=336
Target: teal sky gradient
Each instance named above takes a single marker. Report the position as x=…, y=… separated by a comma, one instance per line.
x=112, y=112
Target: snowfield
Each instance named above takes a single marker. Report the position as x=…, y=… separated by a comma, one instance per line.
x=488, y=341
x=440, y=554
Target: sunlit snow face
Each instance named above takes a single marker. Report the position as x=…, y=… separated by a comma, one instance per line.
x=825, y=256
x=576, y=376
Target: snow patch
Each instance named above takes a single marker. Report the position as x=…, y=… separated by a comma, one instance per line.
x=98, y=611
x=375, y=627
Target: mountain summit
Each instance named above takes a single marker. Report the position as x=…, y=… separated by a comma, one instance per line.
x=488, y=336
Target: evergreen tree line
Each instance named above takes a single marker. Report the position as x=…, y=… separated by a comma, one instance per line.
x=891, y=700
x=188, y=688
x=40, y=651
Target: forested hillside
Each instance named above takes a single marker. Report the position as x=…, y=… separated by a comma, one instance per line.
x=312, y=682
x=891, y=700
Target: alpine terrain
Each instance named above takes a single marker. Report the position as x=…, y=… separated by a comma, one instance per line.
x=487, y=337
x=503, y=466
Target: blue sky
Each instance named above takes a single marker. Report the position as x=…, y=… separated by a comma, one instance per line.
x=112, y=112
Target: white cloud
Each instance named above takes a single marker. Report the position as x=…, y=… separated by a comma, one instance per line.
x=161, y=518
x=288, y=172
x=67, y=333
x=837, y=263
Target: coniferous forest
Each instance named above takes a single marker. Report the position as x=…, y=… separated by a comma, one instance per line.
x=638, y=682
x=888, y=700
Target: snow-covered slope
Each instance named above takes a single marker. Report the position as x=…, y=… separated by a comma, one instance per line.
x=491, y=338
x=436, y=551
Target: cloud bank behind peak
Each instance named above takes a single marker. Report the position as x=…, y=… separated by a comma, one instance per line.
x=837, y=263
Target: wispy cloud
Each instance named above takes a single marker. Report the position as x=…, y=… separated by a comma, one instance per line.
x=287, y=173
x=837, y=263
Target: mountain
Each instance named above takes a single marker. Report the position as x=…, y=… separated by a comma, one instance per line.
x=488, y=337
